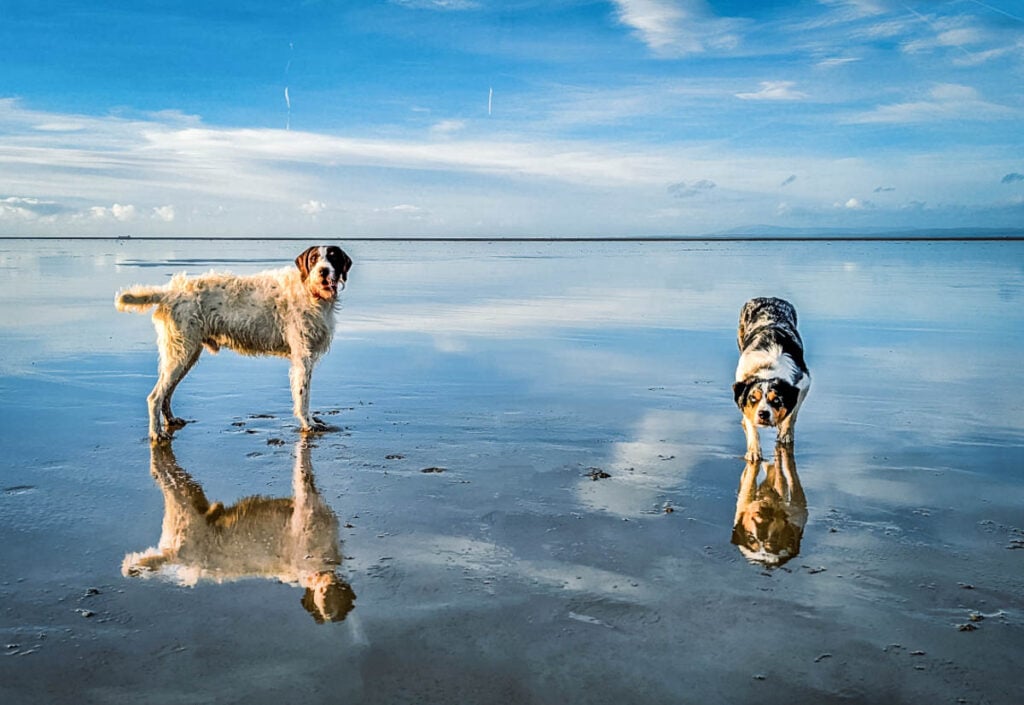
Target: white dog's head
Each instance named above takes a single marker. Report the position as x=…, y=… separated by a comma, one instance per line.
x=324, y=270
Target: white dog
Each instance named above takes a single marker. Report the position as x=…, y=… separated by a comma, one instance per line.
x=286, y=312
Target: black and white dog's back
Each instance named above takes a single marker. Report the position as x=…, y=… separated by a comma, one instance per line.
x=772, y=378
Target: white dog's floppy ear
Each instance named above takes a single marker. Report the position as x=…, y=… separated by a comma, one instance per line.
x=306, y=260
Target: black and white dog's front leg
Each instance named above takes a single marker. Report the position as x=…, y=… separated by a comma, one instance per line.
x=300, y=375
x=753, y=441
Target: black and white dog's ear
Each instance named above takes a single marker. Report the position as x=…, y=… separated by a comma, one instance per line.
x=340, y=259
x=790, y=394
x=306, y=260
x=739, y=390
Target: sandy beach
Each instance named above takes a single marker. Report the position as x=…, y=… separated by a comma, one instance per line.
x=529, y=491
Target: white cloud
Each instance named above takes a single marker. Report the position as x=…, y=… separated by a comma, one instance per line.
x=123, y=213
x=774, y=90
x=448, y=127
x=164, y=213
x=118, y=211
x=855, y=204
x=313, y=207
x=679, y=28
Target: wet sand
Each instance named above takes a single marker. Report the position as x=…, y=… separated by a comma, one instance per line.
x=530, y=490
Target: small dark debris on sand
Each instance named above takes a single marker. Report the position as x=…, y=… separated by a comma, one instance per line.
x=967, y=627
x=597, y=474
x=261, y=416
x=275, y=442
x=238, y=424
x=394, y=456
x=433, y=470
x=822, y=657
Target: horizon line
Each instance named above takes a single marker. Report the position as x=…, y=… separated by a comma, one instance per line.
x=891, y=237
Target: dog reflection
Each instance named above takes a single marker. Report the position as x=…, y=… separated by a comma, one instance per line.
x=770, y=516
x=291, y=539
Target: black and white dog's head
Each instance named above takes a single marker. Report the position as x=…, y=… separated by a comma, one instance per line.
x=324, y=269
x=771, y=377
x=766, y=402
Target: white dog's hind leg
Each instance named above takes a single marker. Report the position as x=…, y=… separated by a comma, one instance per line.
x=176, y=359
x=169, y=417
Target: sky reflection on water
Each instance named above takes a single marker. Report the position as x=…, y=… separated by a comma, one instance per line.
x=521, y=368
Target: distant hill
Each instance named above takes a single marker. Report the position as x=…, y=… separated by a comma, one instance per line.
x=776, y=232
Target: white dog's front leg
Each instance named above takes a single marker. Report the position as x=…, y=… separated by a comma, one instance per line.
x=300, y=374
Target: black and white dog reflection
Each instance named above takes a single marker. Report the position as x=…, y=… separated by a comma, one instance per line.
x=772, y=378
x=770, y=515
x=290, y=539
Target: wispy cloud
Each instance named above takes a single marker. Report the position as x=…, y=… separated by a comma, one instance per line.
x=679, y=28
x=945, y=101
x=1012, y=178
x=29, y=208
x=448, y=127
x=774, y=90
x=684, y=189
x=443, y=5
x=156, y=172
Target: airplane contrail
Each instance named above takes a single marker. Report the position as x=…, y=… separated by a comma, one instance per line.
x=490, y=99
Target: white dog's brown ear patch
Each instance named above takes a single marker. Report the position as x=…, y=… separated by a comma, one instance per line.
x=306, y=260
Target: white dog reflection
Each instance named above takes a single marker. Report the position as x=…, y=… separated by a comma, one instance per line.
x=770, y=516
x=291, y=539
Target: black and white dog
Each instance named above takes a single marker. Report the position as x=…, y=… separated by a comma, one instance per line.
x=772, y=378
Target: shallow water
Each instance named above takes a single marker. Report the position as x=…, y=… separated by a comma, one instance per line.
x=520, y=573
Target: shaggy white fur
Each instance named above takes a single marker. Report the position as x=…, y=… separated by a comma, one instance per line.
x=287, y=312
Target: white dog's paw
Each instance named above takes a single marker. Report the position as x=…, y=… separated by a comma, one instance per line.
x=315, y=425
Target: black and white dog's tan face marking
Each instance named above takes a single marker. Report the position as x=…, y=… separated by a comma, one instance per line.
x=324, y=270
x=767, y=402
x=772, y=378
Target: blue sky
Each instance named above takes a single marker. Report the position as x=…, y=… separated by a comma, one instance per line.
x=515, y=118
